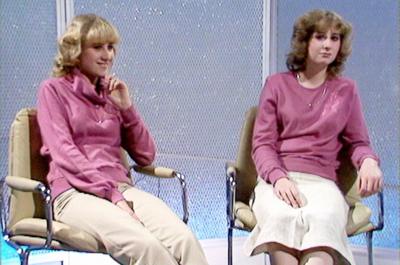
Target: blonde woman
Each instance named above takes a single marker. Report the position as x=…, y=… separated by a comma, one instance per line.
x=305, y=116
x=85, y=116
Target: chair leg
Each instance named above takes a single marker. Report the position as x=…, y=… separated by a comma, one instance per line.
x=24, y=257
x=368, y=237
x=230, y=245
x=265, y=258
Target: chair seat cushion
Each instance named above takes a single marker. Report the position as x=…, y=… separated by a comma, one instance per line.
x=65, y=234
x=244, y=216
x=358, y=220
x=38, y=241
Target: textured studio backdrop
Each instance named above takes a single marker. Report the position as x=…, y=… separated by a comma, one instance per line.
x=194, y=67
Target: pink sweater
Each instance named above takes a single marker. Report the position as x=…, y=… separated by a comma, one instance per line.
x=82, y=133
x=300, y=129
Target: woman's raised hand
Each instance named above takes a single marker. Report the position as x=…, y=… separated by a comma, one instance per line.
x=119, y=92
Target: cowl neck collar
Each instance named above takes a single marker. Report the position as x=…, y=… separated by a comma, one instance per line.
x=82, y=86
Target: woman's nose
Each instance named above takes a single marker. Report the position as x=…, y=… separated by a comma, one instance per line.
x=326, y=44
x=107, y=53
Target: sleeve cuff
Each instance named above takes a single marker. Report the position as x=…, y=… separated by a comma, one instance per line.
x=129, y=116
x=362, y=153
x=365, y=157
x=276, y=174
x=116, y=196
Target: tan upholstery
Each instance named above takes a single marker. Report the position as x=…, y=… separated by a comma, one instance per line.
x=25, y=161
x=359, y=218
x=26, y=214
x=38, y=241
x=246, y=175
x=246, y=172
x=245, y=217
x=70, y=236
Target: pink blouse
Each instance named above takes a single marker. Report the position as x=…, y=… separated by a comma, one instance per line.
x=82, y=133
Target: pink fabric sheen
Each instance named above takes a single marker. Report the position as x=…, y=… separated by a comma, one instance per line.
x=82, y=133
x=289, y=135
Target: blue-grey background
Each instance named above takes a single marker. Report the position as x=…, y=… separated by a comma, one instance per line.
x=194, y=67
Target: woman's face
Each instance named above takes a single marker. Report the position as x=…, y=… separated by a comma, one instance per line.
x=323, y=47
x=96, y=59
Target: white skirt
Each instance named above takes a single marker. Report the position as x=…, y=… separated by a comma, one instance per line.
x=319, y=225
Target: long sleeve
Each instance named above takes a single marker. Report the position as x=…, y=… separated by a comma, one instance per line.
x=265, y=136
x=356, y=134
x=136, y=138
x=56, y=135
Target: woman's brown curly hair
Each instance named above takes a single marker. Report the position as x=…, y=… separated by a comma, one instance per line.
x=83, y=29
x=318, y=21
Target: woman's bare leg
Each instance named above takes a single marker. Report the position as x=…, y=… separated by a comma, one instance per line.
x=279, y=257
x=317, y=258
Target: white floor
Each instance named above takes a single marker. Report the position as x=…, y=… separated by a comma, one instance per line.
x=216, y=252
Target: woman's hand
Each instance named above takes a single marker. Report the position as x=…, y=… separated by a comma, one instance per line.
x=124, y=206
x=287, y=191
x=119, y=92
x=370, y=177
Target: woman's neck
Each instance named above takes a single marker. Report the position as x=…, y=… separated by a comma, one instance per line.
x=312, y=77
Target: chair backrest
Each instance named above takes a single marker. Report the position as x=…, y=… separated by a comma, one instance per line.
x=347, y=177
x=247, y=175
x=26, y=161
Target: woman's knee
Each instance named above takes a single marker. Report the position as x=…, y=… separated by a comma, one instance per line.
x=185, y=236
x=316, y=258
x=151, y=244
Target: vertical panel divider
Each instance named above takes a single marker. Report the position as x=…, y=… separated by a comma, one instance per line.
x=65, y=13
x=269, y=63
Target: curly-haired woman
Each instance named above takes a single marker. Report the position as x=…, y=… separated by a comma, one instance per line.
x=304, y=117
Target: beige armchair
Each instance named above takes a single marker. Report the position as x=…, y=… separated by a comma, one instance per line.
x=241, y=178
x=30, y=220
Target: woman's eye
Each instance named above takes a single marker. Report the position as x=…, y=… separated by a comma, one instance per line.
x=110, y=47
x=335, y=38
x=320, y=36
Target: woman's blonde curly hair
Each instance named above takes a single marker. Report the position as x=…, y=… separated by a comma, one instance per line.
x=318, y=21
x=87, y=28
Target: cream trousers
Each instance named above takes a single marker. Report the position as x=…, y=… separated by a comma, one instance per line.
x=162, y=239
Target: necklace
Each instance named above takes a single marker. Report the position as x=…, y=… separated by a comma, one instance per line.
x=317, y=100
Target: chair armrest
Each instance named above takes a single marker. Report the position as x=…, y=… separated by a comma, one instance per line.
x=24, y=184
x=29, y=185
x=161, y=172
x=167, y=173
x=230, y=168
x=231, y=171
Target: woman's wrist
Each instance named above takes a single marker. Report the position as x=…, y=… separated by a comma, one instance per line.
x=369, y=161
x=125, y=105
